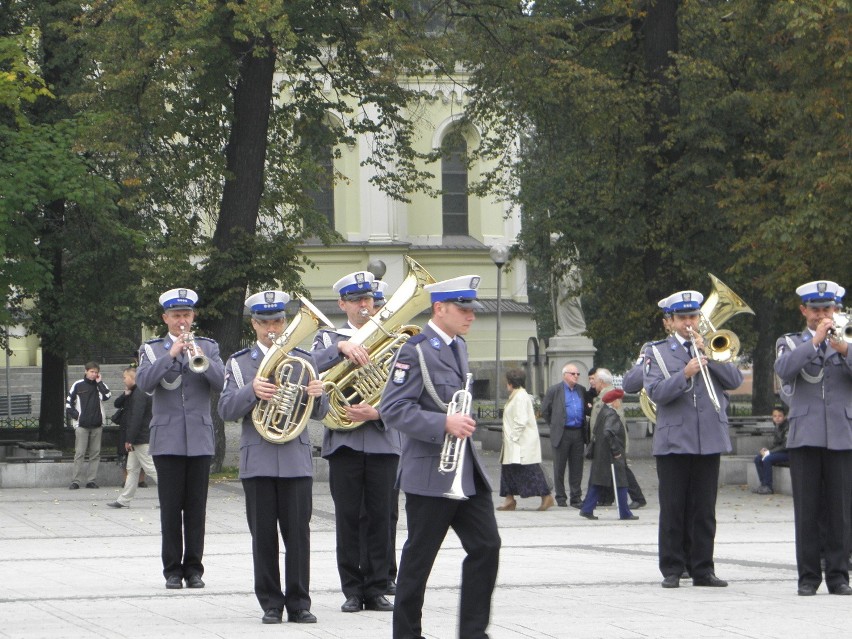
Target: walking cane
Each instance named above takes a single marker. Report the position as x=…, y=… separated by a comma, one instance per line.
x=615, y=489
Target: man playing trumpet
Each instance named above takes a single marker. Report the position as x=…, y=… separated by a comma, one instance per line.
x=690, y=435
x=181, y=440
x=428, y=371
x=815, y=367
x=277, y=478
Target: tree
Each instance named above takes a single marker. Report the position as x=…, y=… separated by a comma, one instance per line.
x=214, y=111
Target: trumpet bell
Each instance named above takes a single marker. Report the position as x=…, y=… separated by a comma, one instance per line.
x=199, y=363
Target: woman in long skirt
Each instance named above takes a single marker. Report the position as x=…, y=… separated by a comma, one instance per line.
x=521, y=472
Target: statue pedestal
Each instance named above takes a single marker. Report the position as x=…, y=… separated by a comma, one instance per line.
x=574, y=349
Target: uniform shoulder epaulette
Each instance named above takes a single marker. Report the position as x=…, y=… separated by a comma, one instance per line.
x=659, y=341
x=417, y=339
x=155, y=340
x=791, y=334
x=301, y=351
x=205, y=339
x=241, y=352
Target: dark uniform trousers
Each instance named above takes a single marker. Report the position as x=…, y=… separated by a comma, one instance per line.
x=182, y=488
x=287, y=500
x=688, y=485
x=355, y=479
x=814, y=474
x=429, y=519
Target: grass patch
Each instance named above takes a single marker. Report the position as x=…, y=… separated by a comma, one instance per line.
x=226, y=474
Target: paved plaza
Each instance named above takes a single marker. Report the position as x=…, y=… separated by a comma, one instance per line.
x=72, y=567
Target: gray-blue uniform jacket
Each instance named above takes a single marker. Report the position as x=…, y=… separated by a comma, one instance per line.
x=180, y=423
x=634, y=379
x=820, y=392
x=258, y=457
x=408, y=406
x=687, y=423
x=371, y=437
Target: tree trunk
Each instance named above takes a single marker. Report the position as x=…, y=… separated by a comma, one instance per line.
x=768, y=324
x=51, y=420
x=246, y=157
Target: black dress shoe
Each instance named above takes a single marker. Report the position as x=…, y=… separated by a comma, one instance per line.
x=807, y=590
x=301, y=616
x=353, y=604
x=273, y=615
x=379, y=603
x=174, y=582
x=842, y=589
x=631, y=518
x=671, y=581
x=710, y=580
x=588, y=515
x=194, y=581
x=74, y=486
x=636, y=505
x=391, y=587
x=561, y=504
x=92, y=484
x=576, y=504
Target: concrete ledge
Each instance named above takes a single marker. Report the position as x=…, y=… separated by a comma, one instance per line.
x=48, y=473
x=733, y=469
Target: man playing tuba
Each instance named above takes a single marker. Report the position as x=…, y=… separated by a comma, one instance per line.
x=362, y=462
x=277, y=478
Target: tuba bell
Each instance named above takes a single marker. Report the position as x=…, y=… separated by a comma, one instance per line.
x=282, y=418
x=720, y=345
x=382, y=336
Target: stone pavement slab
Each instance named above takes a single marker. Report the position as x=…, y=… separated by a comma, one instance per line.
x=72, y=567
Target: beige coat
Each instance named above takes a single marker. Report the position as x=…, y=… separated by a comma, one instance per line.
x=521, y=444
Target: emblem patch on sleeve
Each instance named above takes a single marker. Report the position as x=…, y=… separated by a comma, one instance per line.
x=647, y=365
x=400, y=373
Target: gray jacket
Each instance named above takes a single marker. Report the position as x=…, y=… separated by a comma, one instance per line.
x=181, y=423
x=820, y=409
x=258, y=457
x=687, y=423
x=408, y=407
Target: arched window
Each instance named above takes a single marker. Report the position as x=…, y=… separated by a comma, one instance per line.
x=454, y=184
x=323, y=193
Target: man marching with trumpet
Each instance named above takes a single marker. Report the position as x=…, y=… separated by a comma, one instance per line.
x=362, y=462
x=815, y=367
x=420, y=401
x=181, y=370
x=277, y=478
x=690, y=435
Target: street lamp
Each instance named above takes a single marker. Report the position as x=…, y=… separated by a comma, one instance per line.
x=499, y=255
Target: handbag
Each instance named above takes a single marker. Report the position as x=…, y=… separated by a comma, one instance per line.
x=589, y=451
x=116, y=416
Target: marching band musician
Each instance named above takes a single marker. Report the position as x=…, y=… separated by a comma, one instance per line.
x=689, y=438
x=426, y=374
x=362, y=463
x=181, y=440
x=277, y=478
x=816, y=371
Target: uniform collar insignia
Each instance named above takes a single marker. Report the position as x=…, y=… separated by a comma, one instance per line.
x=254, y=353
x=436, y=343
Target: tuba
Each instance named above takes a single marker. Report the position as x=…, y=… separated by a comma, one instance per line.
x=282, y=418
x=720, y=345
x=382, y=336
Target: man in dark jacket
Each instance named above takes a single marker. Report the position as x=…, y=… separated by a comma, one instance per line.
x=768, y=457
x=83, y=406
x=135, y=420
x=564, y=409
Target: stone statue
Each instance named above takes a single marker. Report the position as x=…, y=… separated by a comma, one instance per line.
x=567, y=308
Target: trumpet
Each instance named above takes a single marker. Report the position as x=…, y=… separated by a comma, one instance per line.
x=842, y=329
x=453, y=452
x=705, y=374
x=198, y=362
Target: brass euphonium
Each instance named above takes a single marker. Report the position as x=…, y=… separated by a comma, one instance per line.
x=282, y=418
x=382, y=336
x=719, y=345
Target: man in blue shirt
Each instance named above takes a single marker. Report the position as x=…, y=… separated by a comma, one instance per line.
x=564, y=409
